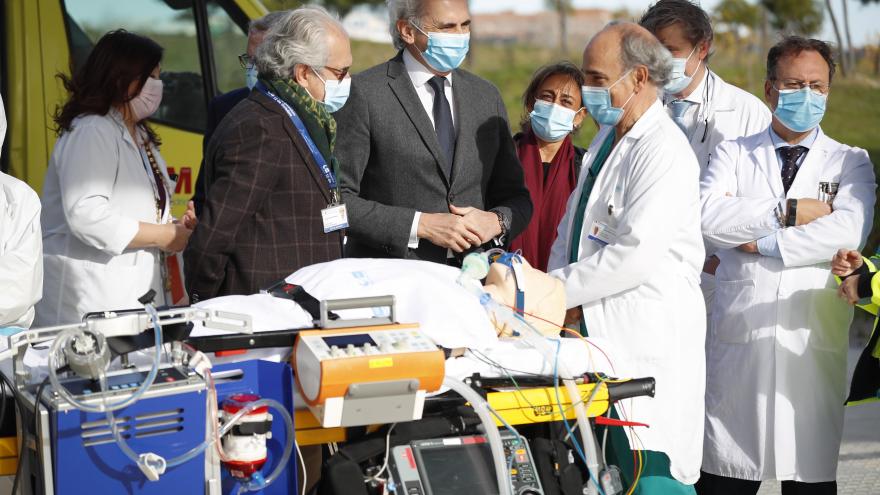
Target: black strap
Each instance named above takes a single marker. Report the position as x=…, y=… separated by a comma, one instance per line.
x=252, y=428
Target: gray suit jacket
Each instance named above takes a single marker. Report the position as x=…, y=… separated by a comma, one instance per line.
x=391, y=162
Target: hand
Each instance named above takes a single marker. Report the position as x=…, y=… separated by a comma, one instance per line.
x=189, y=219
x=809, y=210
x=573, y=318
x=711, y=264
x=845, y=262
x=749, y=247
x=448, y=231
x=175, y=237
x=849, y=289
x=483, y=223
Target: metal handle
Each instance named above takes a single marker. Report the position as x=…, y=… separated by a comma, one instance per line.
x=358, y=303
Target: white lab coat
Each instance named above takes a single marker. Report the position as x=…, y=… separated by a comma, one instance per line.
x=778, y=338
x=21, y=247
x=726, y=112
x=641, y=291
x=97, y=189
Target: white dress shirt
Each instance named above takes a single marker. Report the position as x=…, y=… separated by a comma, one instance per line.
x=420, y=75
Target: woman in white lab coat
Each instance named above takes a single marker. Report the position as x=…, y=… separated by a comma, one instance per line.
x=631, y=262
x=21, y=251
x=107, y=194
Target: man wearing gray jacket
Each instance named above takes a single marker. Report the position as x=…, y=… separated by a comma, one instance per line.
x=428, y=167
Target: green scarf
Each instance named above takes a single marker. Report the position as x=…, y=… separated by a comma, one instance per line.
x=318, y=121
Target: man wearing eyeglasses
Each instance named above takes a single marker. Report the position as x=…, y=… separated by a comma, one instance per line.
x=222, y=104
x=777, y=206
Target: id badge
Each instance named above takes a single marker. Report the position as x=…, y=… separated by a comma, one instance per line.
x=602, y=233
x=335, y=217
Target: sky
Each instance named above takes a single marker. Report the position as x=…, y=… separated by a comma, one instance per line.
x=864, y=21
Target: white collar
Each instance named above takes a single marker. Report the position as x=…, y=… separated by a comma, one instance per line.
x=418, y=73
x=698, y=94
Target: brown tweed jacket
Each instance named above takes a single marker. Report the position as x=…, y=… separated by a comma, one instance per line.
x=262, y=216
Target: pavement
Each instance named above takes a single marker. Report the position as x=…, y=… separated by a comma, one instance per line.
x=858, y=471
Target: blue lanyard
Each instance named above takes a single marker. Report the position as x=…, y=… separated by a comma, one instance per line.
x=325, y=169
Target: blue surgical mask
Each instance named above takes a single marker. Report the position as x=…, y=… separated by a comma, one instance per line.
x=679, y=79
x=551, y=122
x=445, y=51
x=598, y=103
x=335, y=92
x=250, y=76
x=800, y=109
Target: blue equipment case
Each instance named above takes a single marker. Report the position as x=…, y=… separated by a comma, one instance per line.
x=86, y=460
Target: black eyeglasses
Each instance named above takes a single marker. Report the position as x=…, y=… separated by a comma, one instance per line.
x=246, y=61
x=794, y=84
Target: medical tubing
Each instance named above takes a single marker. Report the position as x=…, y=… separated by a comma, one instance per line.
x=481, y=407
x=542, y=344
x=103, y=406
x=472, y=271
x=195, y=451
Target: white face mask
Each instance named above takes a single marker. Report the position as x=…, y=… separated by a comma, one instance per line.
x=679, y=80
x=148, y=100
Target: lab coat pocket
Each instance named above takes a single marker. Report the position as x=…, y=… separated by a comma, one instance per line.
x=733, y=301
x=829, y=322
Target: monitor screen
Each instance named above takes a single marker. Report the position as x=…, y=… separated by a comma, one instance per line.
x=459, y=469
x=342, y=341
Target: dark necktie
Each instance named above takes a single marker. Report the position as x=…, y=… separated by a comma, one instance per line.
x=443, y=121
x=790, y=156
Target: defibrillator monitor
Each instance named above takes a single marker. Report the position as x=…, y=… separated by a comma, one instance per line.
x=460, y=465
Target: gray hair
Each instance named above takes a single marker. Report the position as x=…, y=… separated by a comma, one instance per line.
x=407, y=10
x=263, y=24
x=638, y=49
x=299, y=36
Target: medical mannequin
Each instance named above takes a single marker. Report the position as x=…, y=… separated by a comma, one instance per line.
x=544, y=295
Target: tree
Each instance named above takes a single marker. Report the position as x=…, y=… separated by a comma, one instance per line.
x=562, y=8
x=849, y=49
x=737, y=14
x=802, y=17
x=844, y=65
x=342, y=7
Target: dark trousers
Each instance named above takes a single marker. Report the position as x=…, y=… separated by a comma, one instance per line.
x=712, y=484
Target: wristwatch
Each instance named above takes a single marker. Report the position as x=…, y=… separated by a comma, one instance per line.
x=504, y=222
x=791, y=214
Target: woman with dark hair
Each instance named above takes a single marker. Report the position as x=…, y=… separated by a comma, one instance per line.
x=550, y=161
x=107, y=195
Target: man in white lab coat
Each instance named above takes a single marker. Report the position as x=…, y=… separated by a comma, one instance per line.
x=706, y=108
x=629, y=252
x=778, y=205
x=21, y=249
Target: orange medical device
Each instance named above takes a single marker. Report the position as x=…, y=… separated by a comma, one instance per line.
x=367, y=375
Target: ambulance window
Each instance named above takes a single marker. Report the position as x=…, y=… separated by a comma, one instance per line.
x=171, y=23
x=228, y=40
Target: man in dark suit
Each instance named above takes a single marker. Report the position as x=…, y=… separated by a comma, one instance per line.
x=222, y=104
x=427, y=163
x=263, y=216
